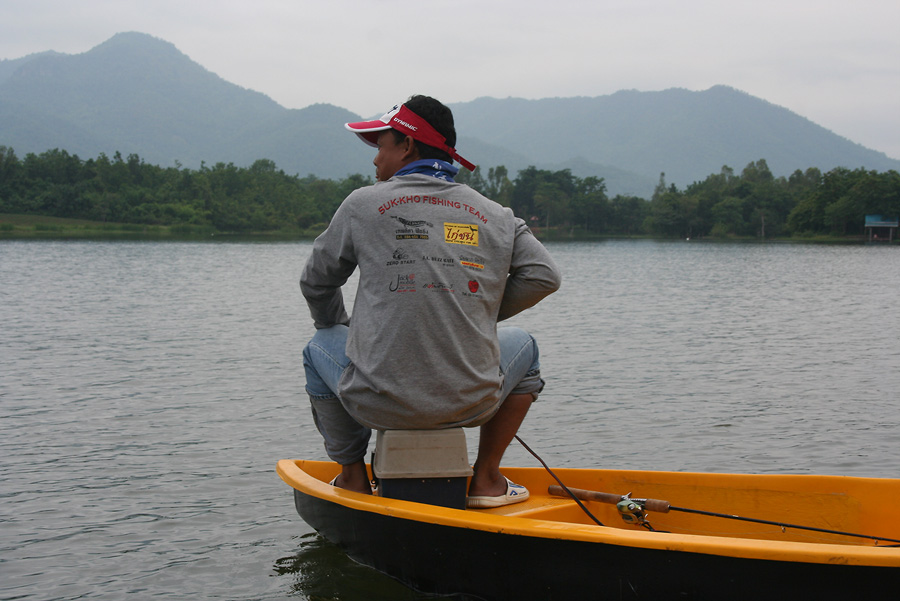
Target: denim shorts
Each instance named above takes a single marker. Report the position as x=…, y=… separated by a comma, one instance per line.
x=346, y=440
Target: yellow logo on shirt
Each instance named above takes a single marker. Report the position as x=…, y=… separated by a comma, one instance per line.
x=461, y=233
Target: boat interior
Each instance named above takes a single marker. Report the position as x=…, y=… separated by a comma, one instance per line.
x=828, y=509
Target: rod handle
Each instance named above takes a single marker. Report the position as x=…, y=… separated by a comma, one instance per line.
x=604, y=497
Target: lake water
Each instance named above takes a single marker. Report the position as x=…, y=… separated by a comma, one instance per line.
x=148, y=389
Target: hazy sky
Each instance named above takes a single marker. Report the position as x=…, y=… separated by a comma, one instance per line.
x=836, y=63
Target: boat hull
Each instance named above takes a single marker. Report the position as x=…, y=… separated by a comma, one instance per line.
x=486, y=565
x=503, y=561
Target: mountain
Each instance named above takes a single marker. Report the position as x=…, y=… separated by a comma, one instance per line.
x=138, y=94
x=688, y=135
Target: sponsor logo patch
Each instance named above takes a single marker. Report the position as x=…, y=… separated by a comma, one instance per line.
x=473, y=290
x=412, y=224
x=445, y=261
x=461, y=233
x=471, y=262
x=403, y=283
x=412, y=230
x=400, y=257
x=439, y=286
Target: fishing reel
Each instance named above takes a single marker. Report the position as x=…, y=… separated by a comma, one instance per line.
x=632, y=511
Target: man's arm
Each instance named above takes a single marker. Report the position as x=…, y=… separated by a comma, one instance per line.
x=332, y=261
x=532, y=274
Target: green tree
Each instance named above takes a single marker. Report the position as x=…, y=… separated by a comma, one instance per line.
x=10, y=181
x=499, y=186
x=590, y=205
x=524, y=188
x=627, y=215
x=813, y=215
x=672, y=213
x=473, y=179
x=551, y=201
x=728, y=217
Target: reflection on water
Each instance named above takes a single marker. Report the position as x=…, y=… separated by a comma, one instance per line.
x=320, y=571
x=148, y=389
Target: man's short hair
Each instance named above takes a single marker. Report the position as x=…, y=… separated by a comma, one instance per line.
x=439, y=117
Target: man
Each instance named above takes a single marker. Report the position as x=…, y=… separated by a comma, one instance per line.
x=439, y=266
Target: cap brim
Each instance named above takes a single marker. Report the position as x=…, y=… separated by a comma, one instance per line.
x=368, y=131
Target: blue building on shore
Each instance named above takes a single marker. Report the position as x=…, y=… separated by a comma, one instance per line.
x=880, y=228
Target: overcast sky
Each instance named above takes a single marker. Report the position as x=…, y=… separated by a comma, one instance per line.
x=836, y=63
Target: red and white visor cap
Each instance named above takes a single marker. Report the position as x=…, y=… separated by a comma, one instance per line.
x=368, y=131
x=408, y=123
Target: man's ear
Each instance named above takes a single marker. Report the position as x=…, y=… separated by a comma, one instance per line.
x=410, y=150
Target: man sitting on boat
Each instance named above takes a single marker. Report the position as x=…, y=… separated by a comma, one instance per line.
x=439, y=266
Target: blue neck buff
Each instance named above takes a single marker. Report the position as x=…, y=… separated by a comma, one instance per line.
x=433, y=167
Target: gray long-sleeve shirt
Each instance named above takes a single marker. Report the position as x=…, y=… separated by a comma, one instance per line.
x=439, y=265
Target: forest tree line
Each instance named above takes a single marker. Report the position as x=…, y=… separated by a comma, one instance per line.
x=262, y=198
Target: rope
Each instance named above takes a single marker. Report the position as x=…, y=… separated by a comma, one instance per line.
x=564, y=487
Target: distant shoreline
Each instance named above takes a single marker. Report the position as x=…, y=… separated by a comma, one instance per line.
x=39, y=227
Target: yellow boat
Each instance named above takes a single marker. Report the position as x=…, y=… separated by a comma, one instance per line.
x=618, y=534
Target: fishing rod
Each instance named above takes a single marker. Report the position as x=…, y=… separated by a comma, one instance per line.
x=633, y=511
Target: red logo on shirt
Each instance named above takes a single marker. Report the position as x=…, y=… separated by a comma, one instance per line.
x=473, y=286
